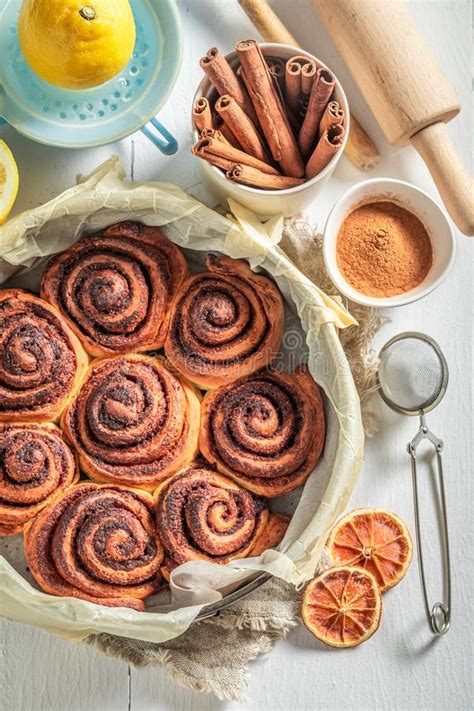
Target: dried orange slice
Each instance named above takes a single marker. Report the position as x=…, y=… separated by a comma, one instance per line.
x=375, y=540
x=342, y=606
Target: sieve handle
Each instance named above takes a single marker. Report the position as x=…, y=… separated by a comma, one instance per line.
x=439, y=616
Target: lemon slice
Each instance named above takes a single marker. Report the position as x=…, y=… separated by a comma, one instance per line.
x=8, y=181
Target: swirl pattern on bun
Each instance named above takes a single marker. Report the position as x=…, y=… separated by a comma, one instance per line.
x=134, y=422
x=266, y=431
x=96, y=543
x=115, y=287
x=225, y=323
x=35, y=465
x=202, y=515
x=42, y=362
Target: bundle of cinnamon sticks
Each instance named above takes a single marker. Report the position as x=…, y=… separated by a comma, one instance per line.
x=274, y=125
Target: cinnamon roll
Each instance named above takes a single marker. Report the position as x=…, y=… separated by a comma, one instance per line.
x=225, y=323
x=134, y=421
x=272, y=535
x=266, y=431
x=35, y=465
x=115, y=287
x=42, y=362
x=96, y=543
x=202, y=515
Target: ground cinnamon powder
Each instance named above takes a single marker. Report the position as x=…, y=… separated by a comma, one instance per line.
x=382, y=249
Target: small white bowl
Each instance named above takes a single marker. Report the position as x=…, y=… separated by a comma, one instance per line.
x=414, y=200
x=271, y=202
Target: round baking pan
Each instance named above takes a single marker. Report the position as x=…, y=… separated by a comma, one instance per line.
x=233, y=597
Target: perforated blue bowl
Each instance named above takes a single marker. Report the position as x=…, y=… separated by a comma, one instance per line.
x=94, y=117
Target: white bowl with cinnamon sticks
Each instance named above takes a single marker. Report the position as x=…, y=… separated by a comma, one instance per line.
x=270, y=123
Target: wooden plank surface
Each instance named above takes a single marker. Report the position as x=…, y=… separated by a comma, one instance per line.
x=44, y=673
x=402, y=668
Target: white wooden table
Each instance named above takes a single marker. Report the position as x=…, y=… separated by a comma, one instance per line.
x=402, y=667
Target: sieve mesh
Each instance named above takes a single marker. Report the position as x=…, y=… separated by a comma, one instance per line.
x=411, y=373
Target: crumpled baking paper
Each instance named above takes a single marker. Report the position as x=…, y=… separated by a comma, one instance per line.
x=312, y=317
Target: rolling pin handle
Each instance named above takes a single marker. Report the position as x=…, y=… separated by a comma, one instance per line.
x=452, y=179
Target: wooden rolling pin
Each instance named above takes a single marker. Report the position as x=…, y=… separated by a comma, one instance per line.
x=360, y=149
x=404, y=86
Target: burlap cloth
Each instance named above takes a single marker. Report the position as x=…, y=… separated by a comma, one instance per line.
x=213, y=655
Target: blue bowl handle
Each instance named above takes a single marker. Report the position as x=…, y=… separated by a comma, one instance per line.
x=156, y=132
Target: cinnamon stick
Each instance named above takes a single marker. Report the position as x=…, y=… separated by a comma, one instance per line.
x=241, y=127
x=210, y=147
x=256, y=178
x=299, y=76
x=321, y=91
x=276, y=68
x=219, y=125
x=222, y=77
x=360, y=148
x=303, y=105
x=219, y=161
x=293, y=84
x=202, y=116
x=229, y=136
x=328, y=145
x=214, y=133
x=332, y=115
x=308, y=74
x=269, y=109
x=289, y=116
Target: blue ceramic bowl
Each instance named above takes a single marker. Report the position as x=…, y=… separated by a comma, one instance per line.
x=94, y=117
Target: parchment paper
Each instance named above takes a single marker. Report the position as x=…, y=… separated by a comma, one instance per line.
x=102, y=199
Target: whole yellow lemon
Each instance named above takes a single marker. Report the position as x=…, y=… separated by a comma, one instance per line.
x=76, y=44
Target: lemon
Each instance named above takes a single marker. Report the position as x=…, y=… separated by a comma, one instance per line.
x=8, y=181
x=76, y=44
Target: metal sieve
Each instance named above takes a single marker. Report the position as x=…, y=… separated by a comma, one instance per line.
x=413, y=377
